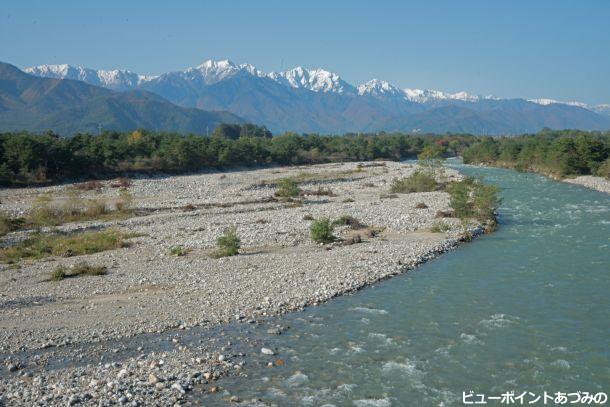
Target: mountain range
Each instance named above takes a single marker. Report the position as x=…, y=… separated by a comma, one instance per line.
x=317, y=100
x=67, y=106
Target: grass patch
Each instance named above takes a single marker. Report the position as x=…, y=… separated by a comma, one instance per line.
x=46, y=212
x=80, y=269
x=178, y=251
x=322, y=231
x=419, y=181
x=440, y=227
x=40, y=245
x=287, y=188
x=228, y=244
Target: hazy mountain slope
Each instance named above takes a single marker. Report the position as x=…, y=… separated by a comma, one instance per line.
x=68, y=106
x=317, y=100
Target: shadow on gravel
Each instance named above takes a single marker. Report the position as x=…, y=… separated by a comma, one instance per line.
x=26, y=303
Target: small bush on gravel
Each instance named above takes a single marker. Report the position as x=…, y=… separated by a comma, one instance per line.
x=421, y=205
x=307, y=217
x=348, y=200
x=80, y=269
x=229, y=243
x=178, y=251
x=419, y=181
x=288, y=188
x=440, y=227
x=347, y=220
x=322, y=231
x=58, y=274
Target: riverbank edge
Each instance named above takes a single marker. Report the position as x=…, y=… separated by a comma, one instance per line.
x=592, y=182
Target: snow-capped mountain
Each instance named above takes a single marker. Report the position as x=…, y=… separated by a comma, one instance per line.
x=115, y=79
x=601, y=109
x=378, y=88
x=317, y=80
x=317, y=100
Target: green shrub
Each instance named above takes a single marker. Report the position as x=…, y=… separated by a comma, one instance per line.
x=460, y=199
x=485, y=200
x=322, y=231
x=471, y=198
x=229, y=243
x=58, y=274
x=419, y=181
x=440, y=227
x=288, y=188
x=604, y=169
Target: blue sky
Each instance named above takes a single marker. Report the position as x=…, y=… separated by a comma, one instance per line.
x=557, y=49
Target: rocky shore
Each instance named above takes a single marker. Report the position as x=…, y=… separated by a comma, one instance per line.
x=598, y=183
x=91, y=323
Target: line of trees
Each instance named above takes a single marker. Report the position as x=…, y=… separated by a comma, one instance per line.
x=27, y=158
x=558, y=153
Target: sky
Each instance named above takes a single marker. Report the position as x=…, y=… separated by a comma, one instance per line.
x=556, y=49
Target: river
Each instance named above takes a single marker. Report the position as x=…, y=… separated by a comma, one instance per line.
x=525, y=309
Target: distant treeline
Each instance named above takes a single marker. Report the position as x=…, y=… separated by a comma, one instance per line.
x=47, y=158
x=558, y=153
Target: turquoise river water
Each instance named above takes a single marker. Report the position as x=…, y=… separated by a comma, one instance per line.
x=525, y=309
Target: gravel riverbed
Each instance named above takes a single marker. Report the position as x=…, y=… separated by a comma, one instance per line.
x=589, y=181
x=87, y=321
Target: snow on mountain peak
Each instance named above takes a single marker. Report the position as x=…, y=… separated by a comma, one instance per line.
x=546, y=102
x=317, y=80
x=376, y=87
x=427, y=95
x=215, y=71
x=116, y=79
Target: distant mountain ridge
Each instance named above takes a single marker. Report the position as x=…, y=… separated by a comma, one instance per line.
x=317, y=100
x=68, y=106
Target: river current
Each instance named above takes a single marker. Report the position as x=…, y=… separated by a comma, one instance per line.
x=525, y=309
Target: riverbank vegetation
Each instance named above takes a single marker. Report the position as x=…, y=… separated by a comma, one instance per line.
x=470, y=198
x=556, y=153
x=27, y=159
x=47, y=158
